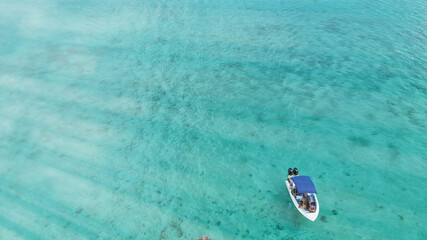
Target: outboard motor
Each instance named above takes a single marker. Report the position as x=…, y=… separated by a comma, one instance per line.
x=295, y=171
x=290, y=171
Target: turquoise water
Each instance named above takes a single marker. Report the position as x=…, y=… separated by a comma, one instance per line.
x=177, y=119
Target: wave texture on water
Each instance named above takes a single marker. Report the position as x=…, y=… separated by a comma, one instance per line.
x=177, y=119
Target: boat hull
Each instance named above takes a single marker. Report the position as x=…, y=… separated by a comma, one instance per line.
x=310, y=215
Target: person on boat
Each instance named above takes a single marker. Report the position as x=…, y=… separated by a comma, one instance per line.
x=304, y=201
x=312, y=207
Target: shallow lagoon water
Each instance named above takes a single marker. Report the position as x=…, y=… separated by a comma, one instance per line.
x=177, y=119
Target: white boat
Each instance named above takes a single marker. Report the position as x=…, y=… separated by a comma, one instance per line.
x=303, y=194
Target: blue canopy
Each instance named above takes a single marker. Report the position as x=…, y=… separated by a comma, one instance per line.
x=304, y=184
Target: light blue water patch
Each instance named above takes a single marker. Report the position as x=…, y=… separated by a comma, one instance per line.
x=177, y=119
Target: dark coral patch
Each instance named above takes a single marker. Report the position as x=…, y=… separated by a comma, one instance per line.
x=360, y=141
x=323, y=218
x=80, y=210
